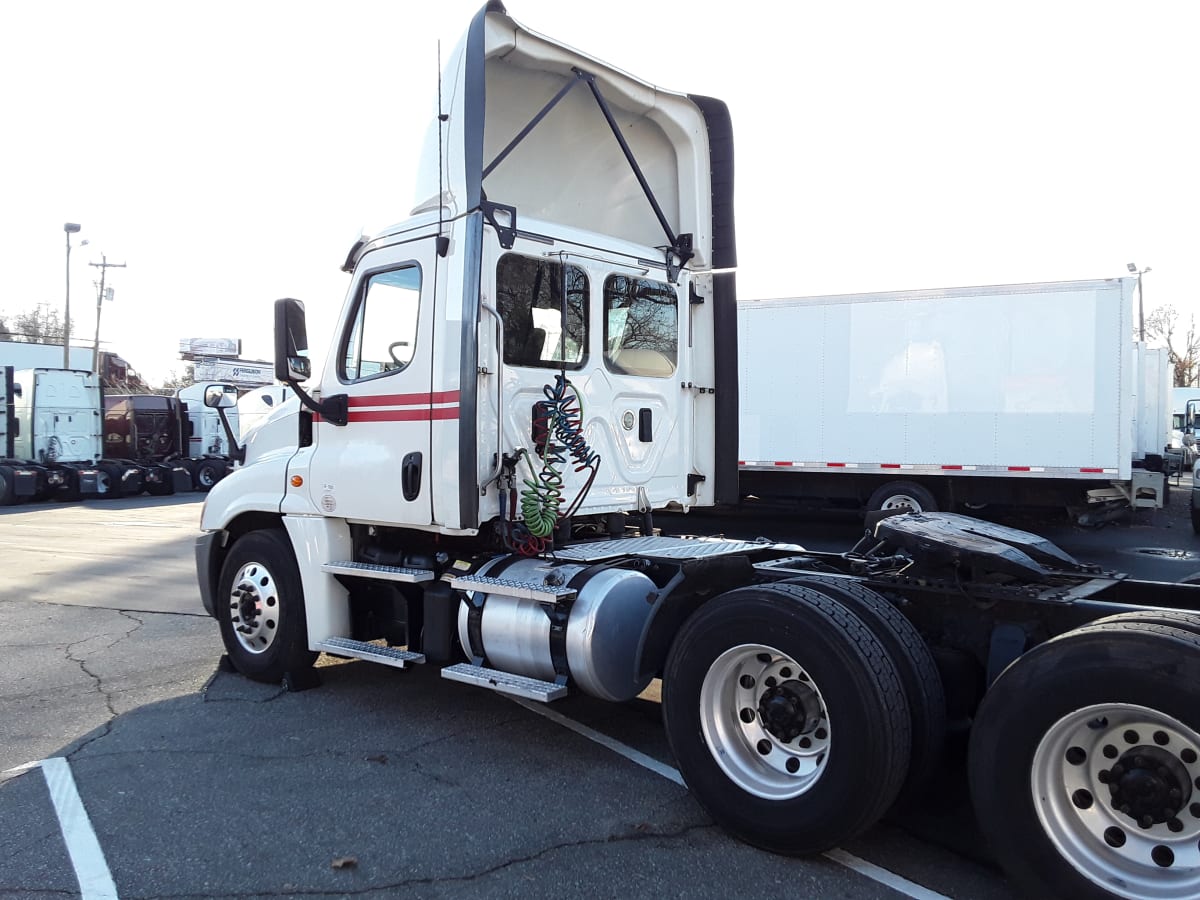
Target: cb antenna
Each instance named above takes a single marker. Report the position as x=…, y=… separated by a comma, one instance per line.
x=443, y=242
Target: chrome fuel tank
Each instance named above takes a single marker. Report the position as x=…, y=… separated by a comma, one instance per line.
x=604, y=626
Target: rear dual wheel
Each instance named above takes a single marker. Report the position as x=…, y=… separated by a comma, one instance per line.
x=787, y=717
x=1085, y=762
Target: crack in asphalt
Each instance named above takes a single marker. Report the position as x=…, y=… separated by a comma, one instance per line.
x=635, y=836
x=82, y=662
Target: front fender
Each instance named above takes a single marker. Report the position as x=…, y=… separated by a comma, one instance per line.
x=248, y=489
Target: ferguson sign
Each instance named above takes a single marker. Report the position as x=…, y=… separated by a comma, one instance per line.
x=234, y=371
x=192, y=347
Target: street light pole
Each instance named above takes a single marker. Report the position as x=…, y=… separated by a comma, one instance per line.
x=1132, y=267
x=70, y=228
x=104, y=265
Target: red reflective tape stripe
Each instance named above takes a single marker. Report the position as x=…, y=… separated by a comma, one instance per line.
x=405, y=399
x=953, y=468
x=778, y=463
x=1097, y=471
x=1018, y=468
x=423, y=414
x=741, y=462
x=889, y=465
x=836, y=465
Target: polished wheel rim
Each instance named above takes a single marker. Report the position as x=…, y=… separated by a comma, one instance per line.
x=254, y=607
x=206, y=477
x=765, y=722
x=1117, y=789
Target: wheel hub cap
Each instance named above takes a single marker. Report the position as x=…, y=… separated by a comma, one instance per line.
x=1149, y=785
x=254, y=607
x=789, y=710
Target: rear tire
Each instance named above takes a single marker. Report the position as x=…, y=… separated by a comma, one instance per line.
x=759, y=685
x=1084, y=762
x=919, y=675
x=260, y=608
x=902, y=495
x=109, y=481
x=207, y=473
x=8, y=494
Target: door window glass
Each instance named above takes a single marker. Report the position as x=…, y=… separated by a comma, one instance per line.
x=529, y=298
x=641, y=326
x=383, y=336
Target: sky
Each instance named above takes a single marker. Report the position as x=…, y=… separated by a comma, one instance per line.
x=231, y=152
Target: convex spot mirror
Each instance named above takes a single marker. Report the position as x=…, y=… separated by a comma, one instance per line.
x=218, y=396
x=291, y=342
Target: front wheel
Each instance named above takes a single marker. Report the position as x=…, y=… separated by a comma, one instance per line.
x=786, y=717
x=260, y=608
x=1085, y=764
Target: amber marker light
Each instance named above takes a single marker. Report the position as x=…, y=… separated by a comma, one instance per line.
x=297, y=481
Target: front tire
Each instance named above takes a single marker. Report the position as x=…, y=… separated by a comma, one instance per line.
x=786, y=717
x=1085, y=764
x=260, y=608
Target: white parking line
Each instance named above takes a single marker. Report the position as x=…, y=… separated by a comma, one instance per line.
x=841, y=857
x=95, y=881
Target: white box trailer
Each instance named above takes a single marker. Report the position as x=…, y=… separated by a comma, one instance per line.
x=1013, y=394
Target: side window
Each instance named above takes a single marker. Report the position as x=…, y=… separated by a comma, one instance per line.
x=529, y=299
x=641, y=326
x=384, y=332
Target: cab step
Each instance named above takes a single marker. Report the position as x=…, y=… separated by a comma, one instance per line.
x=509, y=587
x=388, y=656
x=506, y=682
x=382, y=573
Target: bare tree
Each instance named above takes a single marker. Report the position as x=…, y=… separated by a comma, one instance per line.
x=175, y=381
x=40, y=325
x=1182, y=341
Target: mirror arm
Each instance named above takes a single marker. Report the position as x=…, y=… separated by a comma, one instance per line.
x=335, y=409
x=237, y=452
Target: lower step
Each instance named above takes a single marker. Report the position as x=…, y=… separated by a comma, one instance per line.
x=388, y=656
x=506, y=682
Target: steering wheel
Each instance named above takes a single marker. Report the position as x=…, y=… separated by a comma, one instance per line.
x=392, y=352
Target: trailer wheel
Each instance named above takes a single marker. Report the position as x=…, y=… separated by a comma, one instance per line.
x=901, y=495
x=786, y=717
x=260, y=608
x=1085, y=764
x=915, y=666
x=207, y=473
x=8, y=489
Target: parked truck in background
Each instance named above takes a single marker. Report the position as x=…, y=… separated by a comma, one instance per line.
x=179, y=442
x=1027, y=394
x=544, y=355
x=54, y=443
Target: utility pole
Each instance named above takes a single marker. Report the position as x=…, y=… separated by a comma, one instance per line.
x=104, y=265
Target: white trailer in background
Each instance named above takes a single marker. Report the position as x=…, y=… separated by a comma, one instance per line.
x=1015, y=394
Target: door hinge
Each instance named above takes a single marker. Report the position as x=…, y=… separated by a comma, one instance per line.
x=688, y=386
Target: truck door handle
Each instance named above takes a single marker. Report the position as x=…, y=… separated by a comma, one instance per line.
x=410, y=476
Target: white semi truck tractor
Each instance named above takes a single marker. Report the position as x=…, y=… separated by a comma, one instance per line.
x=543, y=356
